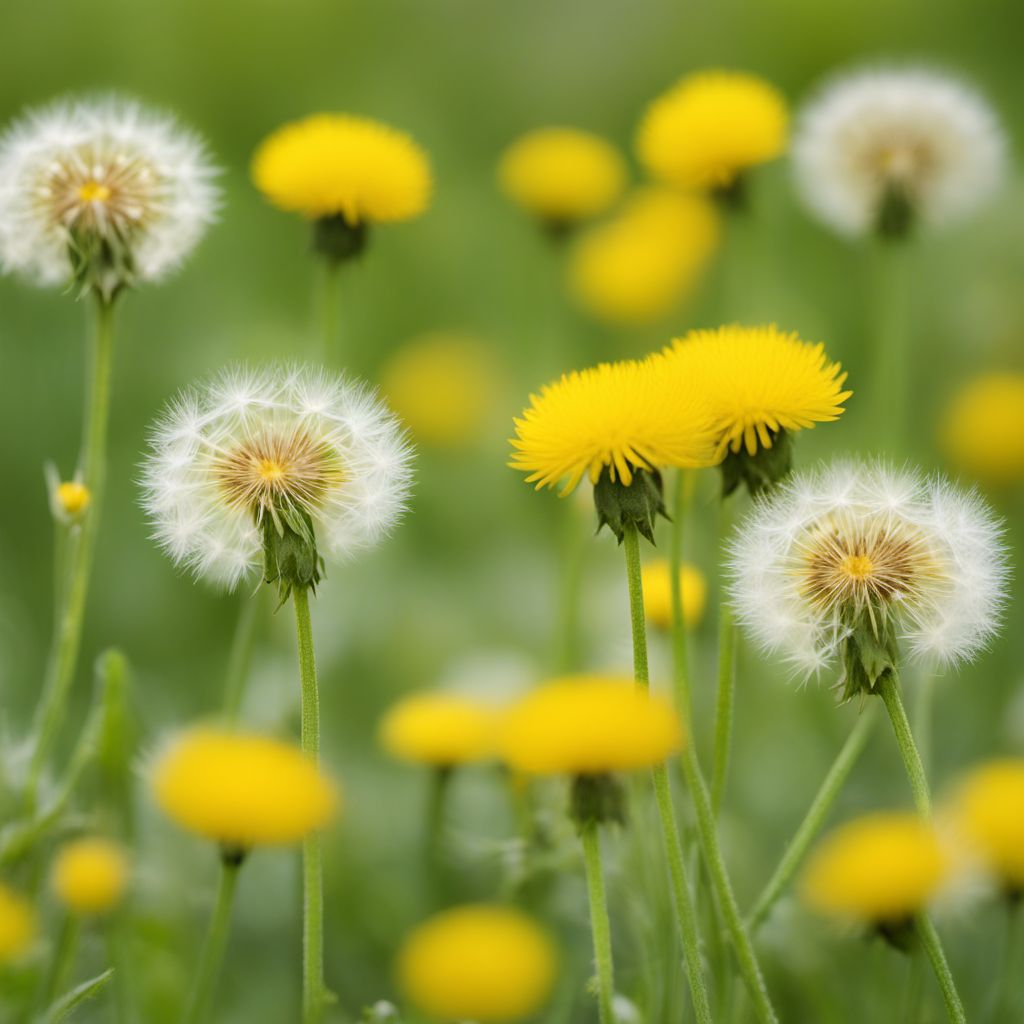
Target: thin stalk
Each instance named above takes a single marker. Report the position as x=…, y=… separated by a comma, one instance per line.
x=600, y=926
x=685, y=913
x=240, y=658
x=567, y=641
x=923, y=716
x=63, y=961
x=680, y=641
x=815, y=817
x=914, y=988
x=313, y=990
x=212, y=956
x=63, y=659
x=330, y=306
x=726, y=695
x=891, y=342
x=888, y=690
x=1005, y=999
x=933, y=948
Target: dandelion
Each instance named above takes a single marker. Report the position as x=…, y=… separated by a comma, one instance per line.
x=443, y=386
x=90, y=875
x=711, y=128
x=562, y=176
x=657, y=584
x=439, y=729
x=637, y=267
x=983, y=429
x=477, y=962
x=104, y=193
x=881, y=149
x=69, y=499
x=17, y=925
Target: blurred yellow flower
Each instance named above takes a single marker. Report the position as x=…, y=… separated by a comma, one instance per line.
x=710, y=127
x=331, y=164
x=17, y=925
x=443, y=386
x=589, y=725
x=439, y=729
x=624, y=416
x=640, y=265
x=241, y=789
x=983, y=430
x=988, y=811
x=73, y=498
x=90, y=875
x=657, y=582
x=562, y=175
x=483, y=963
x=879, y=869
x=758, y=381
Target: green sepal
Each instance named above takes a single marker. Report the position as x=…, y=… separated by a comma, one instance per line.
x=896, y=214
x=290, y=556
x=868, y=653
x=232, y=855
x=734, y=196
x=760, y=471
x=596, y=799
x=638, y=503
x=104, y=265
x=338, y=240
x=900, y=934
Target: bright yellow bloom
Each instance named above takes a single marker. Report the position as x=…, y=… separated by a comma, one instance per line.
x=17, y=925
x=562, y=175
x=73, y=498
x=624, y=416
x=589, y=725
x=90, y=875
x=241, y=789
x=640, y=265
x=879, y=869
x=443, y=386
x=657, y=581
x=989, y=813
x=439, y=729
x=330, y=164
x=759, y=380
x=983, y=431
x=477, y=962
x=710, y=127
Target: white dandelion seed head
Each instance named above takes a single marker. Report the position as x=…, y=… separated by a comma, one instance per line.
x=239, y=447
x=109, y=168
x=920, y=132
x=853, y=542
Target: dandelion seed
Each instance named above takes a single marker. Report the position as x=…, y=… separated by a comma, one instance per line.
x=90, y=875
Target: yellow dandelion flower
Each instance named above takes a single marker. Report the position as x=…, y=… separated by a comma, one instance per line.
x=439, y=729
x=710, y=127
x=73, y=498
x=880, y=869
x=623, y=417
x=90, y=875
x=657, y=581
x=338, y=164
x=562, y=175
x=759, y=381
x=483, y=963
x=589, y=725
x=983, y=430
x=988, y=812
x=17, y=925
x=241, y=789
x=640, y=265
x=443, y=386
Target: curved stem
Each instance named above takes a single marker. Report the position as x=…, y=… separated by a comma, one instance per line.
x=600, y=926
x=240, y=659
x=933, y=947
x=682, y=899
x=212, y=956
x=830, y=787
x=313, y=990
x=888, y=689
x=680, y=654
x=726, y=694
x=63, y=659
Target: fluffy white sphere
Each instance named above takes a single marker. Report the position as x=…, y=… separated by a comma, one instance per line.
x=106, y=170
x=920, y=132
x=864, y=542
x=241, y=446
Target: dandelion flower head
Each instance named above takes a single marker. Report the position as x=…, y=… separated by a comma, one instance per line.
x=657, y=583
x=983, y=429
x=90, y=875
x=440, y=729
x=17, y=925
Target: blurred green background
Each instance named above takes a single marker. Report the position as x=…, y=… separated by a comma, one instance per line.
x=467, y=588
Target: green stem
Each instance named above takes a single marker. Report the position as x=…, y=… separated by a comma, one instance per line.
x=330, y=304
x=212, y=956
x=63, y=659
x=313, y=990
x=63, y=961
x=891, y=343
x=888, y=689
x=933, y=947
x=680, y=664
x=1005, y=998
x=830, y=787
x=240, y=659
x=567, y=656
x=600, y=926
x=686, y=915
x=724, y=702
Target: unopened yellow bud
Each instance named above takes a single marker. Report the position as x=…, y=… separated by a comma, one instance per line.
x=73, y=498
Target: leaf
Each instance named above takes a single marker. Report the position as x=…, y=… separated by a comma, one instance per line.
x=68, y=1003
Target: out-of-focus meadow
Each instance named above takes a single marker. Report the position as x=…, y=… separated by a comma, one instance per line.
x=466, y=592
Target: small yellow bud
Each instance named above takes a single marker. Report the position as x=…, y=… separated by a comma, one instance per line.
x=73, y=498
x=90, y=875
